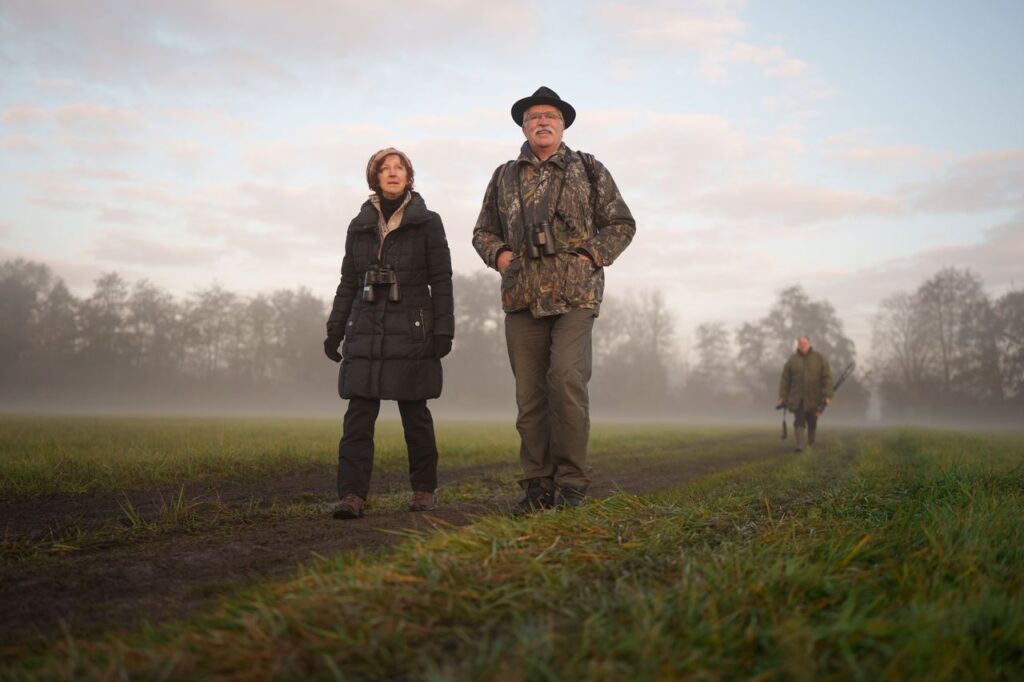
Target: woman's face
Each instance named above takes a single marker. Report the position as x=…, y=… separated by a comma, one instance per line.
x=392, y=176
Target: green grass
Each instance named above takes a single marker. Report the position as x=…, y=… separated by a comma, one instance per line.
x=889, y=556
x=41, y=455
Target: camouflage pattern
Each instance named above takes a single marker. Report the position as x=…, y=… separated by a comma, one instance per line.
x=806, y=378
x=522, y=193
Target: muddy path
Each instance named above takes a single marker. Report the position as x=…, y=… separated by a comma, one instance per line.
x=173, y=576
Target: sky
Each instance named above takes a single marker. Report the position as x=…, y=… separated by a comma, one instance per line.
x=852, y=148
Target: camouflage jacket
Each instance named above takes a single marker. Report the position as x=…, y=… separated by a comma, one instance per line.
x=585, y=216
x=806, y=378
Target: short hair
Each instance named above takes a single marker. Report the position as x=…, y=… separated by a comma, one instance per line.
x=377, y=160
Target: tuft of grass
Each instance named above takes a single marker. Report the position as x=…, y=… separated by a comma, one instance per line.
x=886, y=557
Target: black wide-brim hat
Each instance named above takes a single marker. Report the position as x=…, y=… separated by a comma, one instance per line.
x=544, y=95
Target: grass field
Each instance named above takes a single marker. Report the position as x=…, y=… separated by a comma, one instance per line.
x=881, y=555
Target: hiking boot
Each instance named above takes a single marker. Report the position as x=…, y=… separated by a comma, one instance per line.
x=350, y=507
x=571, y=497
x=536, y=499
x=423, y=501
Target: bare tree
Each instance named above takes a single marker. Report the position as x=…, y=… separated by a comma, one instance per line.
x=1010, y=340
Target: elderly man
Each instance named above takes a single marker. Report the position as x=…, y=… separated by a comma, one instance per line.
x=805, y=389
x=552, y=220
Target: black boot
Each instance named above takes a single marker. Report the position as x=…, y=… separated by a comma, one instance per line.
x=536, y=499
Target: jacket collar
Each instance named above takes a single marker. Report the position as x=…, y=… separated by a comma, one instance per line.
x=415, y=212
x=561, y=158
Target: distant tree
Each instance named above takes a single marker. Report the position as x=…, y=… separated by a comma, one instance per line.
x=150, y=314
x=764, y=347
x=258, y=329
x=960, y=325
x=712, y=373
x=1009, y=310
x=635, y=344
x=103, y=344
x=901, y=354
x=477, y=373
x=299, y=319
x=23, y=287
x=54, y=358
x=210, y=314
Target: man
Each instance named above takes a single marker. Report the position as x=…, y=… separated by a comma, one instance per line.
x=552, y=220
x=805, y=389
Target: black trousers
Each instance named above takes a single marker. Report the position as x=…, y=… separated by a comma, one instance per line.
x=809, y=418
x=355, y=451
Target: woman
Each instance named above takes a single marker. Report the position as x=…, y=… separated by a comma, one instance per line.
x=393, y=308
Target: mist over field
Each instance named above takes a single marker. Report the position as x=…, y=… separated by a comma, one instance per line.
x=946, y=353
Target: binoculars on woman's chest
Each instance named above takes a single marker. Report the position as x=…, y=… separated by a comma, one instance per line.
x=380, y=275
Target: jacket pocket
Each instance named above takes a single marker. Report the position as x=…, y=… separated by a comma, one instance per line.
x=581, y=281
x=420, y=323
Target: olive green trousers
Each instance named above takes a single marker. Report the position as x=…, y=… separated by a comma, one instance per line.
x=552, y=360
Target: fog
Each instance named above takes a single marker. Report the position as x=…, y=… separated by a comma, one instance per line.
x=945, y=353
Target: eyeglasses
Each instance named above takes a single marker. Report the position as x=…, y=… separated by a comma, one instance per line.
x=549, y=115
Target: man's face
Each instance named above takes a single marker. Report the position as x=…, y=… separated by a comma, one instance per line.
x=543, y=127
x=804, y=344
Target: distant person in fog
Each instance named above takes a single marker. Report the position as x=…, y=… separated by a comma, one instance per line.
x=394, y=312
x=805, y=389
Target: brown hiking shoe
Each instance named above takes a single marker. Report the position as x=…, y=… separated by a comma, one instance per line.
x=350, y=507
x=423, y=501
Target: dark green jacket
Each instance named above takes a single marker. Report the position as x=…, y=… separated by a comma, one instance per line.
x=584, y=215
x=807, y=378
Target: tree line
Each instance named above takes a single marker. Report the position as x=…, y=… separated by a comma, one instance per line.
x=132, y=345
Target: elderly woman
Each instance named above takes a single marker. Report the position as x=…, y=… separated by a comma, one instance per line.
x=393, y=309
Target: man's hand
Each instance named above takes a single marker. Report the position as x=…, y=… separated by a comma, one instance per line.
x=779, y=405
x=504, y=258
x=828, y=401
x=331, y=344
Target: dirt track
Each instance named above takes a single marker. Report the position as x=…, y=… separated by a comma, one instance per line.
x=173, y=575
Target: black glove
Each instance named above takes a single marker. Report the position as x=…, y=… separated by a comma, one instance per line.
x=442, y=345
x=331, y=344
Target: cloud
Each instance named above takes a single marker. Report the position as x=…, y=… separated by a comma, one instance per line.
x=774, y=60
x=24, y=114
x=20, y=143
x=791, y=203
x=978, y=183
x=89, y=118
x=236, y=44
x=691, y=26
x=131, y=248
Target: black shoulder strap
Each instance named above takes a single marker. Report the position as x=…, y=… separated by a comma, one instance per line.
x=588, y=162
x=504, y=169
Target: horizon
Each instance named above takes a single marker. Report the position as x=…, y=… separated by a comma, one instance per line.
x=758, y=147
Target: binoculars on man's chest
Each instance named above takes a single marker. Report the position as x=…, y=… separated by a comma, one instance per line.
x=541, y=241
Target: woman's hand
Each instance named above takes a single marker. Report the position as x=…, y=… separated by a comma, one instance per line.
x=442, y=345
x=331, y=344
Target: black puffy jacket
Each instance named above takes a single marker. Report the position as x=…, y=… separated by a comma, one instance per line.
x=389, y=349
